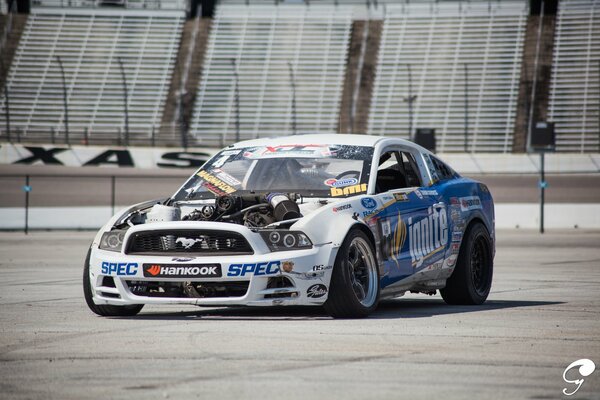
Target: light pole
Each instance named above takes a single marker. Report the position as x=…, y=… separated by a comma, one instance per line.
x=7, y=103
x=125, y=100
x=237, y=99
x=466, y=133
x=66, y=106
x=410, y=99
x=293, y=84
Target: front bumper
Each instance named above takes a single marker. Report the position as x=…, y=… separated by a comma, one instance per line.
x=269, y=278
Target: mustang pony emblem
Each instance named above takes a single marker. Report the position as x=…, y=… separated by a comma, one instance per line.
x=188, y=243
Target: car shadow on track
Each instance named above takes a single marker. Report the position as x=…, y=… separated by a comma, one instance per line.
x=388, y=309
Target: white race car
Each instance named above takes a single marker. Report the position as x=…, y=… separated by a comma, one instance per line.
x=325, y=219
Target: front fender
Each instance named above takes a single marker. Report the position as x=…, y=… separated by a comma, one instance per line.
x=330, y=224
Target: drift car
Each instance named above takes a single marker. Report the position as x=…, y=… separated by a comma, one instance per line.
x=327, y=219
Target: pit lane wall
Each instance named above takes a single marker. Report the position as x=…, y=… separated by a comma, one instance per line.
x=508, y=215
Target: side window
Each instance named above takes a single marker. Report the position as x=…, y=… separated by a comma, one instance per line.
x=410, y=169
x=396, y=170
x=442, y=170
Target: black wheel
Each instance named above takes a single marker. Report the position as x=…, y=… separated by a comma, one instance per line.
x=471, y=280
x=104, y=310
x=354, y=288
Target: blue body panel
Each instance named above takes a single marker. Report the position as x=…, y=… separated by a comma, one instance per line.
x=419, y=228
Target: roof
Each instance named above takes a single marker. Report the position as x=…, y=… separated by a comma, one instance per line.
x=323, y=138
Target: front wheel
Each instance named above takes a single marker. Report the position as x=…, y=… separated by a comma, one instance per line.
x=354, y=288
x=471, y=280
x=104, y=310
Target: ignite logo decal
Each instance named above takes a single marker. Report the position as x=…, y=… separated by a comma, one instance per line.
x=182, y=271
x=427, y=236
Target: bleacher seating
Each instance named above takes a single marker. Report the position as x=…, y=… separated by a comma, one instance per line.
x=437, y=40
x=263, y=40
x=181, y=5
x=90, y=44
x=574, y=91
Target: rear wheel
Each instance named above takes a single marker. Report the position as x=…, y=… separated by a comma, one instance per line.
x=354, y=288
x=104, y=310
x=471, y=280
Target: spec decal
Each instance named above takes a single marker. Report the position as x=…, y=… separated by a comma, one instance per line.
x=316, y=291
x=119, y=269
x=427, y=236
x=354, y=189
x=256, y=269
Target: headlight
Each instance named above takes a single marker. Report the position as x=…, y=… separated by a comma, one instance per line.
x=113, y=240
x=281, y=240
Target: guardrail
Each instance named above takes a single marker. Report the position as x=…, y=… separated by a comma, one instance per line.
x=28, y=182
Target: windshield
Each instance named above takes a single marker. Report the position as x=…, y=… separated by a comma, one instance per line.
x=310, y=170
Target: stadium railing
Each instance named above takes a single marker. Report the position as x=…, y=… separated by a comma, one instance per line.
x=453, y=67
x=575, y=84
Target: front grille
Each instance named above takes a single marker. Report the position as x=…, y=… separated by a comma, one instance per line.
x=197, y=290
x=189, y=242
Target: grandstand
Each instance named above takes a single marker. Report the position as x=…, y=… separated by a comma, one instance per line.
x=437, y=42
x=575, y=89
x=91, y=44
x=273, y=49
x=259, y=68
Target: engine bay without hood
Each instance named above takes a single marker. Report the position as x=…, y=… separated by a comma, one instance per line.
x=253, y=211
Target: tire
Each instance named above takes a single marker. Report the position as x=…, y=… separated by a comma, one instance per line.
x=104, y=310
x=471, y=280
x=354, y=287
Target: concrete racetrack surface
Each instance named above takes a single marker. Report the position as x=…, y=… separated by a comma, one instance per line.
x=543, y=313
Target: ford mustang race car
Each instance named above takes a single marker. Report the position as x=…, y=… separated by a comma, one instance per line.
x=340, y=221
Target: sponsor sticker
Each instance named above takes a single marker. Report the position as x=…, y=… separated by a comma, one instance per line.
x=457, y=236
x=225, y=177
x=354, y=189
x=429, y=192
x=341, y=182
x=182, y=271
x=470, y=203
x=316, y=291
x=368, y=202
x=427, y=236
x=256, y=269
x=119, y=269
x=287, y=266
x=216, y=182
x=400, y=197
x=342, y=208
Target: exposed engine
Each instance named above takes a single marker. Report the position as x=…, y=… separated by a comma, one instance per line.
x=253, y=211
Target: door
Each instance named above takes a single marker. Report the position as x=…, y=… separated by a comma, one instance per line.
x=413, y=226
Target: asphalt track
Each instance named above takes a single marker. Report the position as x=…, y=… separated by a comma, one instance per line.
x=69, y=186
x=543, y=313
